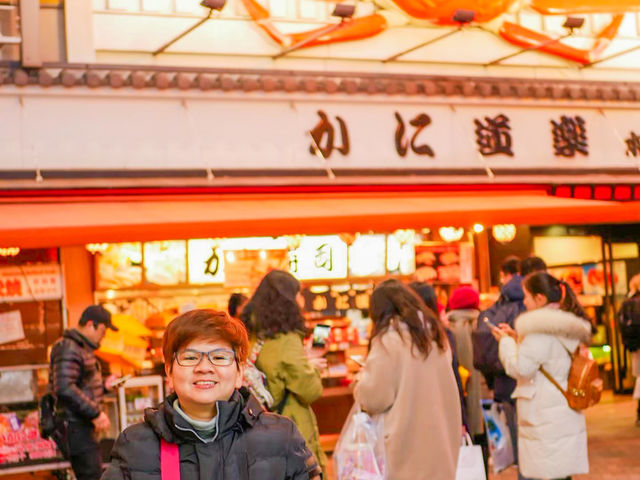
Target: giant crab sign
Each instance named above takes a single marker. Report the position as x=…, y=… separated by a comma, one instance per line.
x=394, y=13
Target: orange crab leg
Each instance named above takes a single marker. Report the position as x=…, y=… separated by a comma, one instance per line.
x=575, y=7
x=527, y=38
x=352, y=29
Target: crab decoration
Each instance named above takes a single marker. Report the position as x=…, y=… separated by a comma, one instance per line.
x=489, y=13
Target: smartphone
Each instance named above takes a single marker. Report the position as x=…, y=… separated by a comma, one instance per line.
x=320, y=335
x=359, y=359
x=491, y=325
x=118, y=383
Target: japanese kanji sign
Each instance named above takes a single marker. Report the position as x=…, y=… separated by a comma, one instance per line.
x=30, y=282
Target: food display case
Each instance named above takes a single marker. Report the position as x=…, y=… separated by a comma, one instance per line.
x=137, y=394
x=21, y=447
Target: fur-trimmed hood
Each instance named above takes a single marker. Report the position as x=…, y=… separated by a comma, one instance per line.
x=552, y=321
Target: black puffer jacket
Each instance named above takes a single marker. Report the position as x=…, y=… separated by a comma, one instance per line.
x=250, y=444
x=75, y=376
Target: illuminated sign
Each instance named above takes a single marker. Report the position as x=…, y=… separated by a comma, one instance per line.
x=319, y=257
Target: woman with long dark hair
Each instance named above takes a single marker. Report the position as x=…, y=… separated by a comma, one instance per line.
x=552, y=437
x=275, y=321
x=408, y=379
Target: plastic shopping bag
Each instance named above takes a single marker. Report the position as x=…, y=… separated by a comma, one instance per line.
x=500, y=446
x=470, y=462
x=359, y=453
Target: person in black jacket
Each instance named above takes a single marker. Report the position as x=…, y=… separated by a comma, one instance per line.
x=221, y=430
x=485, y=348
x=428, y=295
x=630, y=333
x=75, y=379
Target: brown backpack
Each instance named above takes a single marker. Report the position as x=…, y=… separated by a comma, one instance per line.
x=584, y=386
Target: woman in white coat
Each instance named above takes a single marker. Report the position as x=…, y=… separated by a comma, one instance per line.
x=552, y=437
x=408, y=379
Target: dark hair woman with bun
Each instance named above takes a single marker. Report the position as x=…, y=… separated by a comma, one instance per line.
x=552, y=437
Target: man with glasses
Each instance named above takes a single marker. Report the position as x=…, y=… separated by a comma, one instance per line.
x=221, y=430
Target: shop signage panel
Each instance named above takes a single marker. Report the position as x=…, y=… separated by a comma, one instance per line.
x=401, y=253
x=165, y=262
x=319, y=258
x=449, y=263
x=245, y=268
x=311, y=135
x=30, y=282
x=367, y=256
x=119, y=266
x=206, y=262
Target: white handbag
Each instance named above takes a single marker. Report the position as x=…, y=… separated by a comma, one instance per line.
x=470, y=462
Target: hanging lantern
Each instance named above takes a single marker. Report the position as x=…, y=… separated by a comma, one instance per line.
x=348, y=238
x=405, y=236
x=504, y=233
x=451, y=234
x=9, y=251
x=96, y=247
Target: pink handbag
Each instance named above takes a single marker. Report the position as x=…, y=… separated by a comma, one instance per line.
x=169, y=460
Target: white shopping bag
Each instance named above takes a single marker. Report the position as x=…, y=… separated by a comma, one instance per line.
x=500, y=446
x=470, y=463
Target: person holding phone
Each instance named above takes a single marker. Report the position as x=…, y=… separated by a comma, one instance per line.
x=274, y=317
x=552, y=437
x=407, y=378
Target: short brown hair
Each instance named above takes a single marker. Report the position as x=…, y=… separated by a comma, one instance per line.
x=207, y=325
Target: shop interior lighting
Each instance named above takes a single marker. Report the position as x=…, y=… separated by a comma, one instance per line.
x=462, y=17
x=213, y=6
x=504, y=233
x=96, y=247
x=343, y=11
x=231, y=257
x=9, y=251
x=571, y=24
x=263, y=255
x=451, y=234
x=478, y=228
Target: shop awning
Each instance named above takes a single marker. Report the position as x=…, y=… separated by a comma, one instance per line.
x=75, y=221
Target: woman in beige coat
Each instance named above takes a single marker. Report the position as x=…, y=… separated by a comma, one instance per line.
x=407, y=378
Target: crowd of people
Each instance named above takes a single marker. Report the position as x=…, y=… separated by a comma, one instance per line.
x=221, y=422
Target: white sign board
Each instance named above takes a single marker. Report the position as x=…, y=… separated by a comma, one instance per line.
x=11, y=329
x=30, y=282
x=232, y=133
x=319, y=257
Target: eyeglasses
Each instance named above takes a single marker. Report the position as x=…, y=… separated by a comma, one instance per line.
x=220, y=357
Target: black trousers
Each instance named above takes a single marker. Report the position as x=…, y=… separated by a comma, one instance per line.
x=84, y=451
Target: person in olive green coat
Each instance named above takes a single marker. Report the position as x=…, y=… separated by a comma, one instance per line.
x=274, y=317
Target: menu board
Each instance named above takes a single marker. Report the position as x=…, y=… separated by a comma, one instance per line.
x=41, y=324
x=20, y=441
x=450, y=263
x=247, y=267
x=119, y=266
x=572, y=275
x=23, y=283
x=367, y=256
x=165, y=263
x=593, y=278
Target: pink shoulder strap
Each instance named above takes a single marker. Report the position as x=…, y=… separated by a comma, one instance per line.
x=169, y=461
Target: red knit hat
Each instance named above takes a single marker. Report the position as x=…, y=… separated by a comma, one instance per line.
x=464, y=298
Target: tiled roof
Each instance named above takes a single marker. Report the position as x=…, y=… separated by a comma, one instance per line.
x=164, y=78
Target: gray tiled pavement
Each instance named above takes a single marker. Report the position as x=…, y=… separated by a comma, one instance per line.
x=614, y=442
